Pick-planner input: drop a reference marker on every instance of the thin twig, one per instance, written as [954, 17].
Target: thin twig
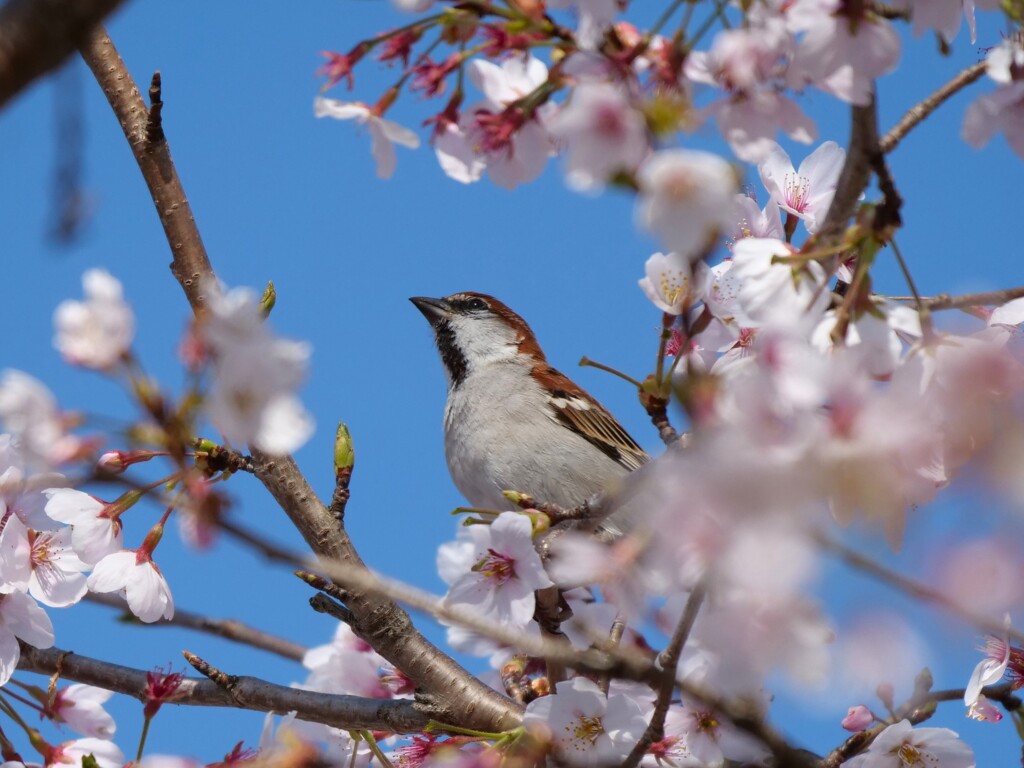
[346, 712]
[668, 660]
[915, 589]
[229, 629]
[944, 301]
[917, 113]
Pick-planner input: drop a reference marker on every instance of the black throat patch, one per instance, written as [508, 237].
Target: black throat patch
[452, 357]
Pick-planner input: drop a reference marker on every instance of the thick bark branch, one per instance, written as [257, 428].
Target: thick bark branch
[458, 696]
[36, 36]
[347, 712]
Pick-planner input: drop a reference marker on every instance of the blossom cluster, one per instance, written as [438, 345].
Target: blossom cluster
[627, 92]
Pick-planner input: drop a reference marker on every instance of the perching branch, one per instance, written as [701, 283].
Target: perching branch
[347, 712]
[460, 696]
[230, 629]
[917, 113]
[945, 301]
[37, 36]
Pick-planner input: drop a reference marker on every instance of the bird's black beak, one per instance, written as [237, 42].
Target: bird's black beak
[434, 310]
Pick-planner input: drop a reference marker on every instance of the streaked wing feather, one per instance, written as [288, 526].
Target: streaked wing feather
[602, 430]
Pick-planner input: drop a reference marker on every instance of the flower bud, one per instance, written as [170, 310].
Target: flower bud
[857, 719]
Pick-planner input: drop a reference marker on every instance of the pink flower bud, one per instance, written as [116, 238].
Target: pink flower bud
[885, 692]
[857, 719]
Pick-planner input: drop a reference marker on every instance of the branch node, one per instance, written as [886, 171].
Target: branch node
[154, 121]
[222, 679]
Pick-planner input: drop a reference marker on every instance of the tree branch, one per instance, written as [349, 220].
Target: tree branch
[346, 712]
[917, 113]
[230, 629]
[36, 36]
[190, 265]
[855, 174]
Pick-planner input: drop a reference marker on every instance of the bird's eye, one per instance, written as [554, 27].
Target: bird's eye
[476, 304]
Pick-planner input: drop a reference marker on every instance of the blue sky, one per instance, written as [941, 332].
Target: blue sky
[279, 195]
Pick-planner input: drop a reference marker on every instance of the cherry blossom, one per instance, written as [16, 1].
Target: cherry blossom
[80, 707]
[773, 292]
[902, 745]
[875, 333]
[20, 618]
[709, 738]
[494, 135]
[22, 491]
[98, 332]
[1000, 658]
[134, 574]
[687, 198]
[757, 222]
[384, 134]
[255, 375]
[587, 727]
[671, 283]
[41, 563]
[504, 571]
[95, 531]
[604, 134]
[806, 193]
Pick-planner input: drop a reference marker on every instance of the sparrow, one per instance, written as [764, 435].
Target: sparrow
[512, 421]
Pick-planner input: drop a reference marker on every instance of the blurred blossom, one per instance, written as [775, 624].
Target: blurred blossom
[102, 753]
[880, 647]
[944, 16]
[98, 332]
[841, 54]
[876, 331]
[687, 199]
[252, 399]
[346, 665]
[1003, 110]
[594, 17]
[29, 413]
[986, 574]
[603, 132]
